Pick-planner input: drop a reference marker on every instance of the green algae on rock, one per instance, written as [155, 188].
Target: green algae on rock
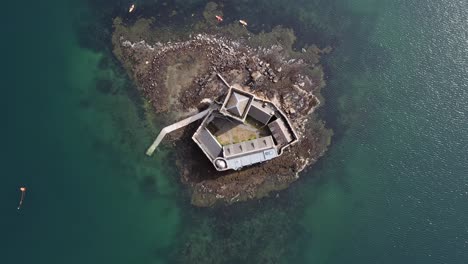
[176, 70]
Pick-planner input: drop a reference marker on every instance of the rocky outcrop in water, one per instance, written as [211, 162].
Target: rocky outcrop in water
[175, 71]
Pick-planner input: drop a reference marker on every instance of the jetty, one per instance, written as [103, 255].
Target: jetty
[176, 126]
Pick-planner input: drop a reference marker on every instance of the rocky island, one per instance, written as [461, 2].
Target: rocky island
[182, 71]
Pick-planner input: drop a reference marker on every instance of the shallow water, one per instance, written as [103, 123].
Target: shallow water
[393, 187]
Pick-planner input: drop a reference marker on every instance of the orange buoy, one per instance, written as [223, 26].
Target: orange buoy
[23, 191]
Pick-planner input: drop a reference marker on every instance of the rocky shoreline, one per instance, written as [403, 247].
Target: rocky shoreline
[177, 76]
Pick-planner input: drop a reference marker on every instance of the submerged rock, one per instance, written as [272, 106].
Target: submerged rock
[177, 74]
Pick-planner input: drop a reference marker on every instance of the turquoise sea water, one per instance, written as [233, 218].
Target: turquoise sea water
[393, 188]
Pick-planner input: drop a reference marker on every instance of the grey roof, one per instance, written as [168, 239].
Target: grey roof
[257, 157]
[247, 147]
[237, 104]
[208, 143]
[261, 113]
[280, 132]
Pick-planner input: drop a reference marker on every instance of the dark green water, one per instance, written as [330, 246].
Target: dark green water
[393, 188]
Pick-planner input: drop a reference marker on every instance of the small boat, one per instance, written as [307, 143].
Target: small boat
[219, 18]
[132, 7]
[243, 22]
